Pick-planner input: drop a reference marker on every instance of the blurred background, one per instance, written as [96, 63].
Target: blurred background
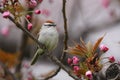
[89, 19]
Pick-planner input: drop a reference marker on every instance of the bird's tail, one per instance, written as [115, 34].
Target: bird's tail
[36, 56]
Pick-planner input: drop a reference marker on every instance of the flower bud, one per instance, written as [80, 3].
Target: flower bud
[37, 11]
[6, 14]
[26, 65]
[51, 1]
[32, 3]
[75, 60]
[111, 59]
[45, 12]
[105, 3]
[28, 17]
[29, 27]
[76, 68]
[104, 48]
[40, 1]
[88, 74]
[69, 61]
[5, 31]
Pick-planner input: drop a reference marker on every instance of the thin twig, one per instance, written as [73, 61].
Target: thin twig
[53, 58]
[65, 29]
[22, 47]
[53, 74]
[65, 40]
[24, 30]
[24, 41]
[59, 63]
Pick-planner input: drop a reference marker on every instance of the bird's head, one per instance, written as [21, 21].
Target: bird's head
[48, 24]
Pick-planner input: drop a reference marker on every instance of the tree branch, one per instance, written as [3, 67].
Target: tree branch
[23, 46]
[53, 58]
[24, 30]
[65, 29]
[65, 39]
[54, 74]
[59, 63]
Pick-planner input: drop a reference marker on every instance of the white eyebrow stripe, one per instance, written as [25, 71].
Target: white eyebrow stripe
[47, 23]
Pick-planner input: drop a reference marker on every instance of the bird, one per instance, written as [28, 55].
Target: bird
[48, 36]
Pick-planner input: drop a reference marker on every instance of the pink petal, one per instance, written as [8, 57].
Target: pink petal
[111, 59]
[5, 31]
[29, 27]
[75, 60]
[105, 3]
[104, 48]
[6, 14]
[46, 12]
[37, 11]
[89, 74]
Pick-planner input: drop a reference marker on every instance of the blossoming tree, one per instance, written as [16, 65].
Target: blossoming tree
[86, 60]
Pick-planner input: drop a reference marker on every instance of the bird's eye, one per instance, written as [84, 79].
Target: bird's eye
[49, 25]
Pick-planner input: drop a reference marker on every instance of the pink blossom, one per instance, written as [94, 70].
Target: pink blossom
[111, 59]
[51, 1]
[69, 60]
[76, 68]
[29, 78]
[75, 60]
[104, 48]
[88, 74]
[105, 3]
[45, 12]
[5, 31]
[30, 73]
[37, 11]
[28, 17]
[40, 1]
[26, 65]
[32, 3]
[29, 27]
[6, 14]
[4, 1]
